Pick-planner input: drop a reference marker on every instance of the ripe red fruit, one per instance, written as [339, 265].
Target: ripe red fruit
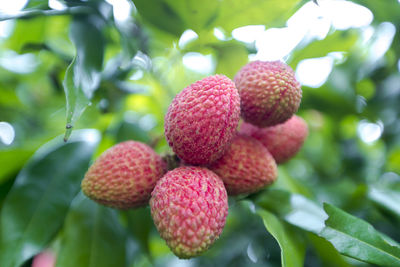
[246, 167]
[124, 175]
[202, 119]
[269, 92]
[189, 206]
[283, 141]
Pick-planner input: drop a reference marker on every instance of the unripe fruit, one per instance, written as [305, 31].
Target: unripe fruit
[189, 206]
[269, 92]
[283, 141]
[202, 119]
[124, 175]
[246, 167]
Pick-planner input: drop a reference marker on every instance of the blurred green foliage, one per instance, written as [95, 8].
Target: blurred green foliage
[80, 67]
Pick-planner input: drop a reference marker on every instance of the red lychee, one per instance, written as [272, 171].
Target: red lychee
[246, 167]
[269, 92]
[189, 206]
[283, 141]
[124, 175]
[202, 119]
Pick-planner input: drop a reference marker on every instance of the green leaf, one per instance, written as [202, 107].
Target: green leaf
[11, 161]
[291, 243]
[238, 13]
[326, 251]
[92, 237]
[356, 238]
[351, 236]
[196, 15]
[294, 208]
[287, 182]
[337, 41]
[140, 224]
[386, 198]
[83, 75]
[27, 31]
[131, 131]
[161, 15]
[38, 202]
[231, 57]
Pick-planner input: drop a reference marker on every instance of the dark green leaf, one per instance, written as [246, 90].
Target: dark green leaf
[140, 224]
[356, 238]
[35, 208]
[83, 75]
[92, 237]
[290, 241]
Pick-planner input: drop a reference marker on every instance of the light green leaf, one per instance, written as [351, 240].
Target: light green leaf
[83, 75]
[358, 239]
[161, 15]
[38, 202]
[329, 256]
[294, 208]
[27, 31]
[231, 57]
[337, 41]
[238, 13]
[386, 198]
[196, 15]
[291, 243]
[92, 237]
[12, 160]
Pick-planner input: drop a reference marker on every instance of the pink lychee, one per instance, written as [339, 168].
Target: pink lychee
[246, 167]
[269, 92]
[283, 141]
[124, 175]
[189, 206]
[46, 258]
[202, 119]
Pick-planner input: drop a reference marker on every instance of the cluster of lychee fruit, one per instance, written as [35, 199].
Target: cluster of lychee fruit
[217, 158]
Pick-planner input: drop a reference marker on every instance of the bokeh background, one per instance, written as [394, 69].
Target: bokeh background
[112, 68]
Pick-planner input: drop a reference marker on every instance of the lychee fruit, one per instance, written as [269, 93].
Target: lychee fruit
[189, 206]
[246, 167]
[269, 92]
[283, 141]
[202, 119]
[124, 175]
[46, 258]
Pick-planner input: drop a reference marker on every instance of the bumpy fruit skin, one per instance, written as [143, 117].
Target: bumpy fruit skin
[269, 92]
[246, 167]
[124, 176]
[189, 206]
[283, 141]
[202, 119]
